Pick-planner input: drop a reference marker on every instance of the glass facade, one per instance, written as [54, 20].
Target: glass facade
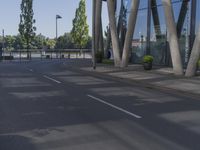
[159, 44]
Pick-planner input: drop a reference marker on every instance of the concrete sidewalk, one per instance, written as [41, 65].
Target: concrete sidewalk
[158, 76]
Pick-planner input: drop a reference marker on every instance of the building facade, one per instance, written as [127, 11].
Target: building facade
[164, 28]
[158, 32]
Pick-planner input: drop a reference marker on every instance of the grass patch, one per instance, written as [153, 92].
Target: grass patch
[108, 61]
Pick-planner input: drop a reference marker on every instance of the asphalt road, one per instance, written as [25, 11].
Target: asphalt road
[53, 105]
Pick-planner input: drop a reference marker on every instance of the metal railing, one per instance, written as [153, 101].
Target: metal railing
[47, 54]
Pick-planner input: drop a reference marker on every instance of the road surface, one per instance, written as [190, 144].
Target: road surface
[53, 105]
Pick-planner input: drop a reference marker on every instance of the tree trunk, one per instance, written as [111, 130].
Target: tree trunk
[192, 65]
[173, 39]
[129, 33]
[113, 30]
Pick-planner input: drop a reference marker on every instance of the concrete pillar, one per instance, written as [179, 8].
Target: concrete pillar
[98, 23]
[173, 39]
[113, 30]
[195, 55]
[192, 23]
[182, 16]
[156, 20]
[130, 31]
[148, 46]
[101, 40]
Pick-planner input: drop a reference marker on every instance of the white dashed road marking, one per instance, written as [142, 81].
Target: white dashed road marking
[115, 107]
[52, 79]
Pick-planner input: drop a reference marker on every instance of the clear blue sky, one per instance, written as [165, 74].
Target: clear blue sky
[46, 10]
[44, 13]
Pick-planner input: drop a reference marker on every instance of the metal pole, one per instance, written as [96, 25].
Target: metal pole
[56, 28]
[93, 35]
[148, 52]
[3, 44]
[57, 17]
[192, 24]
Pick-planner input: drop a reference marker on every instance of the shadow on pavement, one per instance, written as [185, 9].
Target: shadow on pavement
[14, 142]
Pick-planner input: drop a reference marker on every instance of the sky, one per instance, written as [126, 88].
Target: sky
[46, 10]
[44, 13]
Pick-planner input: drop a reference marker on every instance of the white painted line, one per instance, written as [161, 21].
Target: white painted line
[116, 107]
[51, 79]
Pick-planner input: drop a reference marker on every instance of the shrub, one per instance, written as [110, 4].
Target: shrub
[198, 63]
[148, 59]
[108, 61]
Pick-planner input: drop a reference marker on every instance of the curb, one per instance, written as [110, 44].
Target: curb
[146, 85]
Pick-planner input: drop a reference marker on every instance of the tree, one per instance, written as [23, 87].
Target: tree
[26, 28]
[38, 41]
[19, 43]
[65, 42]
[50, 43]
[9, 42]
[80, 30]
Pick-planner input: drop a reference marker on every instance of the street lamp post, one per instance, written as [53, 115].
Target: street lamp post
[57, 17]
[2, 46]
[93, 35]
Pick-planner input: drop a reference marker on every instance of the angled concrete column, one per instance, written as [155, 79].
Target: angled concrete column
[173, 39]
[182, 16]
[130, 31]
[192, 65]
[101, 42]
[120, 19]
[98, 23]
[192, 23]
[113, 30]
[148, 42]
[156, 20]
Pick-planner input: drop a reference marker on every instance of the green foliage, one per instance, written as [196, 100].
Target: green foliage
[65, 42]
[108, 61]
[80, 30]
[50, 43]
[16, 42]
[148, 59]
[9, 42]
[38, 41]
[26, 28]
[198, 63]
